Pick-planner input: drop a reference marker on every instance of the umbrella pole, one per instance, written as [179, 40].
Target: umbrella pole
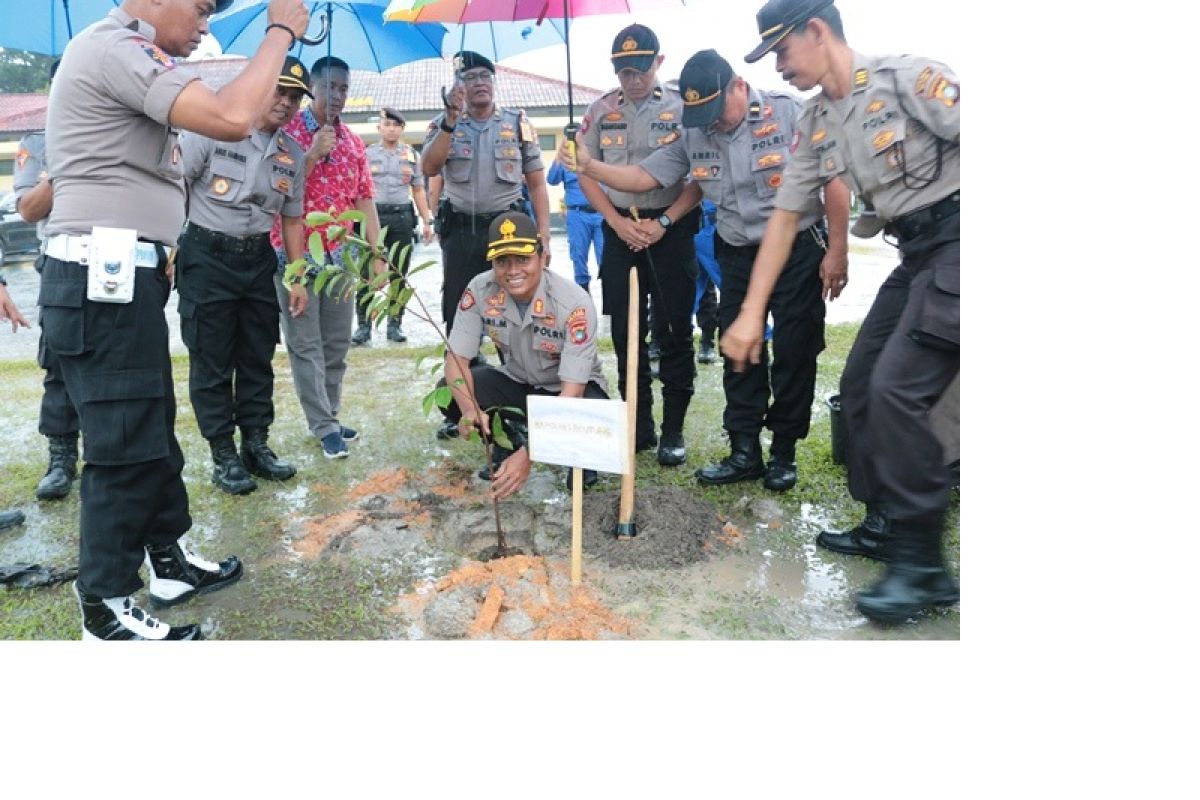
[567, 39]
[67, 14]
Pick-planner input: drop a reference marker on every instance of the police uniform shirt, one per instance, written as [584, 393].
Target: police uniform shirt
[113, 94]
[884, 136]
[395, 172]
[237, 188]
[740, 171]
[30, 169]
[488, 160]
[619, 132]
[555, 342]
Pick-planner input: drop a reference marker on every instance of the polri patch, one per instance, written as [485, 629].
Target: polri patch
[22, 157]
[577, 325]
[220, 186]
[156, 53]
[467, 302]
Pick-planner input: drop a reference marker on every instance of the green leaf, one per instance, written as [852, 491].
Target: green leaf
[334, 232]
[294, 272]
[427, 402]
[322, 279]
[443, 396]
[316, 219]
[425, 265]
[498, 432]
[351, 215]
[316, 249]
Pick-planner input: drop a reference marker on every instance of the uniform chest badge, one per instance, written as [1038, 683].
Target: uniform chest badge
[947, 92]
[495, 312]
[577, 326]
[496, 299]
[220, 186]
[508, 135]
[506, 126]
[615, 116]
[768, 112]
[923, 81]
[508, 167]
[549, 320]
[700, 172]
[539, 306]
[876, 105]
[830, 164]
[527, 132]
[819, 136]
[883, 139]
[22, 157]
[770, 160]
[283, 185]
[510, 152]
[284, 158]
[670, 137]
[775, 181]
[467, 302]
[667, 116]
[861, 78]
[766, 130]
[375, 168]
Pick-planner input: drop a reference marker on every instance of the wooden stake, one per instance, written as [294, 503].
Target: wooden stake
[625, 517]
[576, 526]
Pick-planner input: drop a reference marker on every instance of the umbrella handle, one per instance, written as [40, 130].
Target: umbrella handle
[320, 37]
[570, 131]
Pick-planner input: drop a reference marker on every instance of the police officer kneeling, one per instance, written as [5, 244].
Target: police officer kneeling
[544, 326]
[226, 280]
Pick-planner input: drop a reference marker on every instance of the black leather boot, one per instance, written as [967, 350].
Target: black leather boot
[394, 332]
[744, 463]
[118, 619]
[781, 466]
[177, 575]
[916, 577]
[708, 351]
[229, 474]
[671, 449]
[362, 334]
[64, 453]
[869, 539]
[259, 459]
[11, 519]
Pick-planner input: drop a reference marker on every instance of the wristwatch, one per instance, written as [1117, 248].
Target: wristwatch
[665, 221]
[445, 128]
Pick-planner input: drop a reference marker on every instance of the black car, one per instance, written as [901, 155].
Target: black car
[16, 235]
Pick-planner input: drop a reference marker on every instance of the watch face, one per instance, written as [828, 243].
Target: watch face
[665, 221]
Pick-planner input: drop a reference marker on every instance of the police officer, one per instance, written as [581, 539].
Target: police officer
[111, 135]
[229, 316]
[734, 146]
[625, 127]
[484, 152]
[396, 171]
[584, 223]
[57, 420]
[544, 326]
[890, 126]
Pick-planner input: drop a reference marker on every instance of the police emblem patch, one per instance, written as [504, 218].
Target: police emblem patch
[22, 157]
[691, 95]
[629, 44]
[947, 92]
[467, 302]
[615, 116]
[775, 180]
[577, 325]
[220, 186]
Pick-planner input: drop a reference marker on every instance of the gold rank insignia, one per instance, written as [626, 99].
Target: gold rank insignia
[220, 186]
[510, 152]
[766, 130]
[691, 95]
[770, 160]
[629, 44]
[775, 180]
[861, 78]
[819, 136]
[667, 116]
[830, 164]
[297, 70]
[883, 139]
[876, 105]
[923, 81]
[497, 299]
[606, 141]
[539, 306]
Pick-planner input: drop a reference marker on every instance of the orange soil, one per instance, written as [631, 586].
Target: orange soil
[385, 482]
[319, 533]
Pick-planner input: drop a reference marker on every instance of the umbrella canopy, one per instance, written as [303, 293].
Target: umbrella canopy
[45, 26]
[500, 40]
[357, 34]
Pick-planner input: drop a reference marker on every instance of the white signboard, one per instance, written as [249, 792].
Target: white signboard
[575, 432]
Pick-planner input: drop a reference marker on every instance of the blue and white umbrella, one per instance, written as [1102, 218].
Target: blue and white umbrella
[45, 26]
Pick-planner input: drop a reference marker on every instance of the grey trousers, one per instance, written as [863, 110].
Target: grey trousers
[317, 343]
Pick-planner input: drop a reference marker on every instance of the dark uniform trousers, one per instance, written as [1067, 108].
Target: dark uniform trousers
[905, 356]
[229, 320]
[798, 314]
[495, 389]
[116, 365]
[464, 255]
[400, 222]
[675, 262]
[58, 416]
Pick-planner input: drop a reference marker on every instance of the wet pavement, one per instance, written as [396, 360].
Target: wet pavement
[870, 262]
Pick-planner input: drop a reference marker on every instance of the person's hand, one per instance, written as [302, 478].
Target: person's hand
[632, 233]
[297, 299]
[742, 341]
[323, 142]
[426, 233]
[511, 476]
[577, 163]
[476, 420]
[8, 310]
[835, 272]
[545, 237]
[653, 231]
[292, 13]
[456, 101]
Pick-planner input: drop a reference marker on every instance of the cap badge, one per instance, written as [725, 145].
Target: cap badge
[297, 70]
[629, 44]
[508, 229]
[691, 95]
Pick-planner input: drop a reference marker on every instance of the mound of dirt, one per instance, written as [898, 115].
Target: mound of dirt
[519, 597]
[673, 528]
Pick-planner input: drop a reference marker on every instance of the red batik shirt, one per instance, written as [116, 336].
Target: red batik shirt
[337, 181]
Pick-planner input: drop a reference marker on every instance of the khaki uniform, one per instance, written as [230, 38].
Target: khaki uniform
[395, 172]
[620, 132]
[553, 343]
[30, 169]
[740, 172]
[895, 140]
[116, 162]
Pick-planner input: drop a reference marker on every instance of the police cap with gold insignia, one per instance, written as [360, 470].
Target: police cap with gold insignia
[294, 75]
[703, 82]
[464, 60]
[634, 47]
[515, 233]
[390, 113]
[778, 18]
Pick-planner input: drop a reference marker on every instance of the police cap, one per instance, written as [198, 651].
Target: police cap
[469, 59]
[512, 232]
[222, 5]
[390, 113]
[294, 75]
[778, 18]
[634, 47]
[703, 82]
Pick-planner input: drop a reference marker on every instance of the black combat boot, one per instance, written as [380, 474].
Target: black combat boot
[916, 577]
[11, 519]
[744, 463]
[869, 539]
[362, 333]
[708, 350]
[64, 452]
[228, 471]
[118, 619]
[781, 466]
[176, 574]
[394, 332]
[671, 449]
[260, 459]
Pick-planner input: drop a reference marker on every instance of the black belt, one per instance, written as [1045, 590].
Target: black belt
[485, 219]
[223, 241]
[588, 209]
[925, 219]
[644, 213]
[392, 208]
